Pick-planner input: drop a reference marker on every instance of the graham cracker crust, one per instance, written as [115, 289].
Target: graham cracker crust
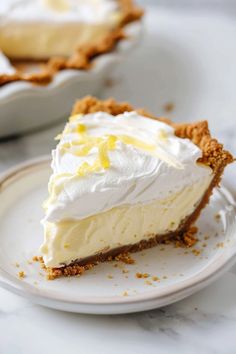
[213, 155]
[181, 238]
[82, 58]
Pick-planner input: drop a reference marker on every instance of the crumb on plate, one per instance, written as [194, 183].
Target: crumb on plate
[142, 275]
[168, 107]
[21, 274]
[125, 258]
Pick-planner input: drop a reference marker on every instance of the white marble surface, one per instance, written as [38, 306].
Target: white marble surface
[179, 61]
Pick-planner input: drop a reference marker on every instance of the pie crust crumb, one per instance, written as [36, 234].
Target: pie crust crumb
[21, 274]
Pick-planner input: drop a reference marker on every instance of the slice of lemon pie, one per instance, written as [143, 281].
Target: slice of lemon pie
[123, 181]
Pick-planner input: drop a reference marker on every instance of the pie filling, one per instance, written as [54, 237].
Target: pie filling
[40, 42]
[118, 181]
[41, 29]
[71, 240]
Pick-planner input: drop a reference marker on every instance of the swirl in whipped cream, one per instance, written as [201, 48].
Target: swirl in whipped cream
[151, 165]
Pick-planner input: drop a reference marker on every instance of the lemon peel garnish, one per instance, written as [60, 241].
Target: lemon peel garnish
[126, 139]
[85, 168]
[81, 128]
[103, 155]
[111, 142]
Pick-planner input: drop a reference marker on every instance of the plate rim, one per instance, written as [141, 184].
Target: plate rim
[215, 269]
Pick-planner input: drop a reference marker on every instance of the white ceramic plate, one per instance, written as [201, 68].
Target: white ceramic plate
[102, 289]
[24, 106]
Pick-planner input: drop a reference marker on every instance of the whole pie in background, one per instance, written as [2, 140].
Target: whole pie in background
[40, 37]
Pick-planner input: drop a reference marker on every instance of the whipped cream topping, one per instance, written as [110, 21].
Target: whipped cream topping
[145, 162]
[5, 65]
[89, 11]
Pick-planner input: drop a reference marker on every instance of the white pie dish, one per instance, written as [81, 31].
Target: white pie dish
[22, 190]
[24, 106]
